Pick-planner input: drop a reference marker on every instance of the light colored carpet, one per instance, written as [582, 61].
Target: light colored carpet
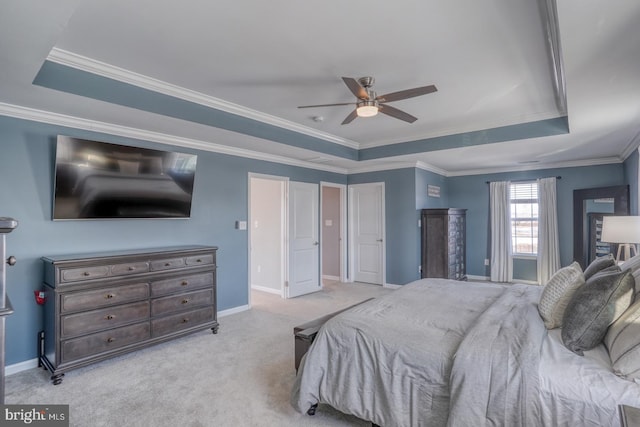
[240, 377]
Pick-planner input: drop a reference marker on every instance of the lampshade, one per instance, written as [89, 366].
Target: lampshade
[621, 229]
[367, 108]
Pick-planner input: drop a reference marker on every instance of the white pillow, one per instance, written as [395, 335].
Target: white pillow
[557, 293]
[623, 342]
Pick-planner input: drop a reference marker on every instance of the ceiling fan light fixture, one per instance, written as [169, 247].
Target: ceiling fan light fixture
[367, 108]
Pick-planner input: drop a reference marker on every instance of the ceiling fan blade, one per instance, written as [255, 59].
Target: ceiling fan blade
[355, 88]
[395, 113]
[408, 93]
[351, 117]
[326, 105]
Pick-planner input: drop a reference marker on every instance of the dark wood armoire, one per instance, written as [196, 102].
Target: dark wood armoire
[444, 243]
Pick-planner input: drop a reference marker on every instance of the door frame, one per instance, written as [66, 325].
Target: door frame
[284, 221]
[343, 227]
[351, 222]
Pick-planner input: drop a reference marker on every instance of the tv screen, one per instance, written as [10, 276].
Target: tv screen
[98, 180]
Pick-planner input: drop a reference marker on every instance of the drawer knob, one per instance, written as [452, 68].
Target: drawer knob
[184, 283]
[131, 268]
[110, 339]
[109, 296]
[110, 317]
[185, 320]
[86, 273]
[198, 260]
[184, 301]
[167, 264]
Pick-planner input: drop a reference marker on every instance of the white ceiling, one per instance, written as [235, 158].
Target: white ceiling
[489, 59]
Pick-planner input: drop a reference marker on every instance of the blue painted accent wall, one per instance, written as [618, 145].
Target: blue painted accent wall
[425, 178]
[472, 193]
[27, 171]
[631, 177]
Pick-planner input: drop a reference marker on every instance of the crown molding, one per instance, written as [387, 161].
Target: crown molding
[58, 119]
[568, 164]
[83, 63]
[48, 117]
[631, 146]
[381, 167]
[428, 167]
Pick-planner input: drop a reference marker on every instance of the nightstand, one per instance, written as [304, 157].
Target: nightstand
[629, 416]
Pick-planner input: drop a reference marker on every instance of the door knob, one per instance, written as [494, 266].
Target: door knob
[379, 240]
[12, 260]
[315, 243]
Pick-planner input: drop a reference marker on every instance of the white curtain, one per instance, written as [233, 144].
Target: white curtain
[501, 259]
[548, 245]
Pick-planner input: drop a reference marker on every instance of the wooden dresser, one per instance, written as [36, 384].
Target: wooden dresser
[443, 243]
[102, 305]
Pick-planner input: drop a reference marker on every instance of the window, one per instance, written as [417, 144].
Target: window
[524, 218]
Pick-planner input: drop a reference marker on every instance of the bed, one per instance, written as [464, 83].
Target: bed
[439, 352]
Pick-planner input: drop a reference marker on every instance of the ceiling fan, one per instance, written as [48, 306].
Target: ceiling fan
[369, 104]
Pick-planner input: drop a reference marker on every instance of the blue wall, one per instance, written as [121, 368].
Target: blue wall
[220, 198]
[472, 192]
[27, 169]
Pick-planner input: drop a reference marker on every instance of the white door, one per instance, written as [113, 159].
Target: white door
[304, 266]
[367, 235]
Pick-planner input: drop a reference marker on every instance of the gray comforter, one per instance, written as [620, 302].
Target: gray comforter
[433, 353]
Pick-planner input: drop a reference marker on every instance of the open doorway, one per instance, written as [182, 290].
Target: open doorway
[267, 231]
[333, 201]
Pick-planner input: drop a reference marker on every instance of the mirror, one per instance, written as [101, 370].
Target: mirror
[590, 205]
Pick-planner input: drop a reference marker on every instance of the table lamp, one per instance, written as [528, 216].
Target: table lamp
[623, 230]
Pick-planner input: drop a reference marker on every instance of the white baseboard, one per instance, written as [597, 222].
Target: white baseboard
[21, 366]
[233, 310]
[478, 278]
[391, 286]
[266, 289]
[327, 277]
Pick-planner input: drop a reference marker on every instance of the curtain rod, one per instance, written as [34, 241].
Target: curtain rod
[523, 180]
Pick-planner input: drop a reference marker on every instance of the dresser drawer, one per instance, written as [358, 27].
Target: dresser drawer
[86, 273]
[104, 341]
[167, 264]
[181, 284]
[88, 300]
[129, 268]
[179, 302]
[200, 260]
[178, 322]
[97, 320]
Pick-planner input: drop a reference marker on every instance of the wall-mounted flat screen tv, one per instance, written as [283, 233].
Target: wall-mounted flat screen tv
[98, 180]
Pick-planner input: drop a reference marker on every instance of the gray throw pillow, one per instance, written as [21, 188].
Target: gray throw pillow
[623, 342]
[557, 293]
[595, 306]
[598, 264]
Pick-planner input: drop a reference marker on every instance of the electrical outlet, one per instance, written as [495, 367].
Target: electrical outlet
[486, 261]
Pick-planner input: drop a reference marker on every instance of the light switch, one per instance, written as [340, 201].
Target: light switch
[328, 222]
[241, 225]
